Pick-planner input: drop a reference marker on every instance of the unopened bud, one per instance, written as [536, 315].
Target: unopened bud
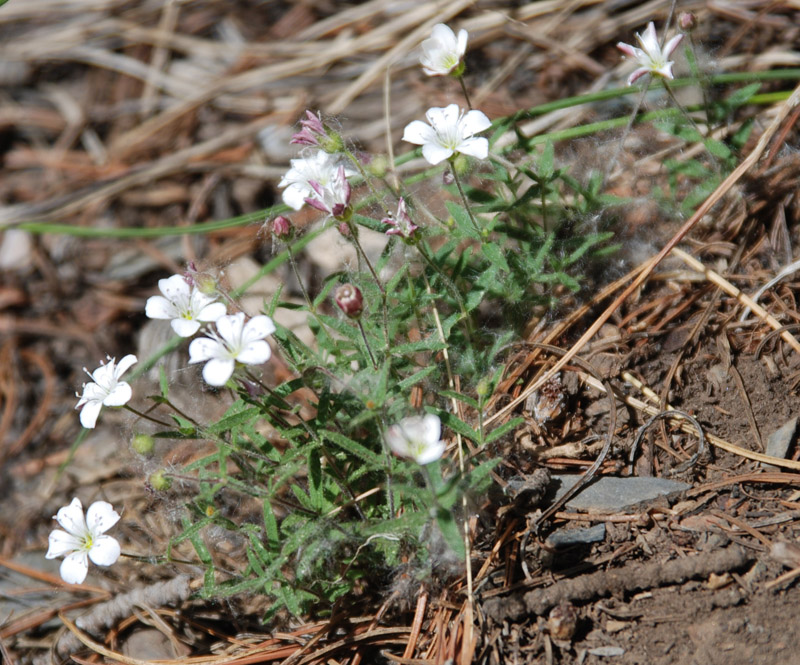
[448, 178]
[282, 228]
[344, 229]
[143, 444]
[483, 388]
[378, 166]
[687, 21]
[206, 284]
[350, 300]
[160, 481]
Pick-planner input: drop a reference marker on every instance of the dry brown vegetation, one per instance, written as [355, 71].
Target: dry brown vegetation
[122, 115]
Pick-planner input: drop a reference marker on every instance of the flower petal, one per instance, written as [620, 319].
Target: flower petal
[202, 349]
[430, 453]
[255, 353]
[461, 45]
[217, 371]
[92, 393]
[61, 543]
[419, 133]
[100, 517]
[435, 153]
[175, 288]
[258, 327]
[444, 35]
[89, 412]
[230, 327]
[121, 394]
[476, 147]
[105, 551]
[71, 518]
[74, 568]
[294, 195]
[185, 327]
[158, 307]
[475, 121]
[430, 427]
[672, 44]
[211, 312]
[125, 364]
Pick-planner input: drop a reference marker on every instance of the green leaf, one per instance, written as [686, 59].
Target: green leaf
[458, 425]
[743, 95]
[415, 378]
[462, 219]
[239, 413]
[497, 432]
[495, 255]
[546, 161]
[163, 381]
[460, 397]
[354, 448]
[451, 532]
[430, 344]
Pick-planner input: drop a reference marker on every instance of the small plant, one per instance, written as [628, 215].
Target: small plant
[358, 461]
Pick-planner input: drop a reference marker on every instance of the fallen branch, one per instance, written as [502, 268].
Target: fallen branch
[633, 577]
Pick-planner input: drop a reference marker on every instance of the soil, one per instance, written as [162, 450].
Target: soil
[87, 141]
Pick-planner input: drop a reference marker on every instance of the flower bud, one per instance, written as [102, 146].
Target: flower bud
[344, 229]
[206, 284]
[378, 166]
[687, 21]
[143, 444]
[349, 299]
[484, 387]
[447, 177]
[160, 481]
[282, 228]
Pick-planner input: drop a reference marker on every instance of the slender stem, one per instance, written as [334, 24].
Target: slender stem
[681, 107]
[450, 285]
[147, 417]
[181, 413]
[613, 163]
[691, 57]
[464, 196]
[464, 89]
[366, 343]
[367, 179]
[363, 254]
[296, 272]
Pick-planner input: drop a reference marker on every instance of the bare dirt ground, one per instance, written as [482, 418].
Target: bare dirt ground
[146, 115]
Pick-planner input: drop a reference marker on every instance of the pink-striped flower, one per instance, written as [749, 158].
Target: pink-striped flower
[651, 57]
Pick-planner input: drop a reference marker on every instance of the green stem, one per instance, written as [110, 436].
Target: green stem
[147, 417]
[366, 343]
[464, 89]
[464, 196]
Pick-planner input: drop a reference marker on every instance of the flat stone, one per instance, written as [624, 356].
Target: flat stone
[779, 441]
[581, 536]
[609, 494]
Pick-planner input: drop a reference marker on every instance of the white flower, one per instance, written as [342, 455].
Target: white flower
[105, 389]
[417, 437]
[83, 539]
[234, 341]
[443, 52]
[449, 131]
[185, 305]
[651, 57]
[321, 168]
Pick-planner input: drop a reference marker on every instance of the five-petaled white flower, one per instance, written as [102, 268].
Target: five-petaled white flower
[450, 131]
[105, 389]
[443, 51]
[651, 57]
[185, 305]
[417, 437]
[232, 342]
[83, 539]
[320, 168]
